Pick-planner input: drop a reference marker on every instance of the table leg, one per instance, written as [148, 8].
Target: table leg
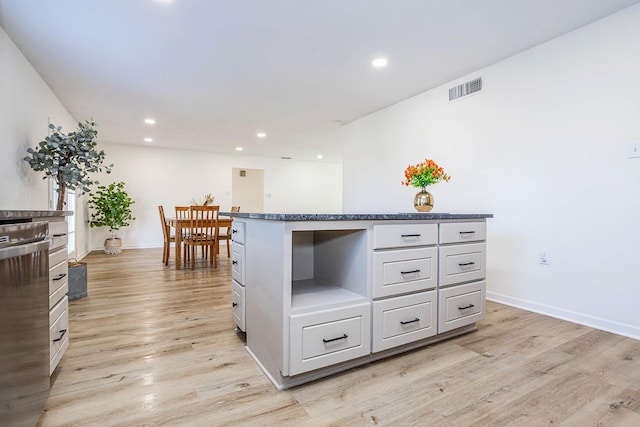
[178, 244]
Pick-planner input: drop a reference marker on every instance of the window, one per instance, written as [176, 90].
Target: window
[71, 219]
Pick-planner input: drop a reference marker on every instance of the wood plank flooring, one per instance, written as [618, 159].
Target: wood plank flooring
[152, 346]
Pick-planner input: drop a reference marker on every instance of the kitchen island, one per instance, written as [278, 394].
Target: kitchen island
[317, 294]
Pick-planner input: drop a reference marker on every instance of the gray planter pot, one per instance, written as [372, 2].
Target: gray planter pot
[77, 280]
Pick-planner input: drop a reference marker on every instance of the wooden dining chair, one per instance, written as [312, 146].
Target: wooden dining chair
[168, 237]
[226, 235]
[203, 232]
[182, 213]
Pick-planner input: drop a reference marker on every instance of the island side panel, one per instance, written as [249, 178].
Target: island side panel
[268, 289]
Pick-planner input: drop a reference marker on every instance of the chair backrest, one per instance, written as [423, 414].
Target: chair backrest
[182, 212]
[204, 223]
[163, 222]
[235, 208]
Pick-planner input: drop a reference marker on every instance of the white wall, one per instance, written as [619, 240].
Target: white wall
[169, 177]
[26, 104]
[544, 148]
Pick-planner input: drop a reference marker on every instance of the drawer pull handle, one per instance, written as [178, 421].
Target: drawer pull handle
[467, 232]
[466, 307]
[234, 262]
[344, 336]
[62, 332]
[410, 235]
[409, 321]
[464, 264]
[234, 304]
[60, 235]
[59, 276]
[234, 231]
[417, 270]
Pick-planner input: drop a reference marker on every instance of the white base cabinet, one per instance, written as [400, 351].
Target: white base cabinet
[319, 296]
[401, 320]
[324, 338]
[58, 289]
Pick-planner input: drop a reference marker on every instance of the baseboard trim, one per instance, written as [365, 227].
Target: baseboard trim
[618, 328]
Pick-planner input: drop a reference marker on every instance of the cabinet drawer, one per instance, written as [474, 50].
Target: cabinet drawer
[402, 271]
[404, 235]
[460, 232]
[58, 279]
[57, 257]
[328, 337]
[58, 332]
[58, 232]
[237, 263]
[404, 319]
[237, 304]
[237, 231]
[461, 263]
[460, 305]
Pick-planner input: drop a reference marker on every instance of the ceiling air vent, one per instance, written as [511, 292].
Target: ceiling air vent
[465, 89]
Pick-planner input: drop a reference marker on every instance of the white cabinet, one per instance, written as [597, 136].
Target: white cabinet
[58, 332]
[461, 305]
[58, 288]
[404, 319]
[462, 263]
[462, 270]
[320, 296]
[237, 263]
[404, 235]
[462, 232]
[403, 271]
[405, 261]
[238, 275]
[326, 337]
[238, 304]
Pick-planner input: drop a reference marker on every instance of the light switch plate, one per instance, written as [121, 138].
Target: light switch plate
[634, 150]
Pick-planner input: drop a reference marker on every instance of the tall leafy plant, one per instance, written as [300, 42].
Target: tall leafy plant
[111, 207]
[69, 158]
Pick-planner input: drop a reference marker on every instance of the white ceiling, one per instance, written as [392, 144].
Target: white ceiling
[215, 72]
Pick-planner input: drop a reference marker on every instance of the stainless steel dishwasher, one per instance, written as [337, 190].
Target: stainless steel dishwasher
[24, 322]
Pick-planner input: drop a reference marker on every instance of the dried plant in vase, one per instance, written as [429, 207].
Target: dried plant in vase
[208, 199]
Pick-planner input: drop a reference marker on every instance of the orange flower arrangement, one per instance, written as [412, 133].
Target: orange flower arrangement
[424, 174]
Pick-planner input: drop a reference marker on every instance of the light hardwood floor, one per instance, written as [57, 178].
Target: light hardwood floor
[154, 346]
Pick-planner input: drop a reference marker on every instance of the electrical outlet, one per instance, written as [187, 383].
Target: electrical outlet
[634, 150]
[544, 257]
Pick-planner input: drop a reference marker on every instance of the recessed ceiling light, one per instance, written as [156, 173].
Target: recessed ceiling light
[261, 134]
[148, 140]
[238, 148]
[150, 121]
[379, 62]
[319, 156]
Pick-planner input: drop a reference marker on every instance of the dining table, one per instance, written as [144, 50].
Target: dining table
[179, 223]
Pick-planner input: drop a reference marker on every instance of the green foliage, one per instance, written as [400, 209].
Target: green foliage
[69, 158]
[111, 207]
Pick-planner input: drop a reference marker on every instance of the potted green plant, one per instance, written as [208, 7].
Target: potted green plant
[69, 159]
[111, 207]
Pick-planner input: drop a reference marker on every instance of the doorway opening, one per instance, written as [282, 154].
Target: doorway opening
[247, 189]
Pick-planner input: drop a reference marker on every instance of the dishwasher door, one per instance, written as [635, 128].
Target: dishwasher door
[24, 320]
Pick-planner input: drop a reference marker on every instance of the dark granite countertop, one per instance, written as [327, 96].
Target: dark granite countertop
[354, 217]
[5, 215]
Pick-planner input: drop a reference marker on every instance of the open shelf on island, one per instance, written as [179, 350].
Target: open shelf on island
[328, 268]
[313, 294]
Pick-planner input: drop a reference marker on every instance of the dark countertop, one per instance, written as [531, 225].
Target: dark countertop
[20, 215]
[354, 217]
